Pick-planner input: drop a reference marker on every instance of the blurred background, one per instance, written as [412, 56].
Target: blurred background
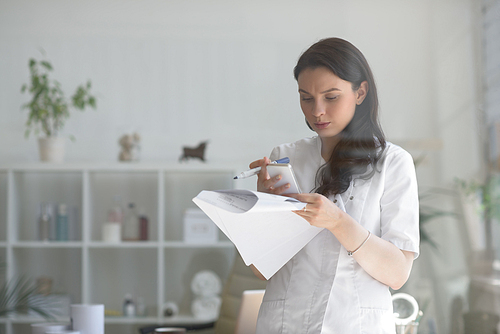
[182, 72]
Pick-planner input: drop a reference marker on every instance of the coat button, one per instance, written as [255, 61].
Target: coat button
[351, 198]
[334, 201]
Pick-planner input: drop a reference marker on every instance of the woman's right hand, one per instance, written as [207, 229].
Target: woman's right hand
[264, 182]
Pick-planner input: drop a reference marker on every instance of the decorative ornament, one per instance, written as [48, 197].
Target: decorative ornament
[194, 152]
[130, 147]
[206, 286]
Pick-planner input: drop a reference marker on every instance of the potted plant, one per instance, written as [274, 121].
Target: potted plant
[49, 109]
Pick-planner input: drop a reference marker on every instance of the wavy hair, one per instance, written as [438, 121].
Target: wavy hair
[362, 142]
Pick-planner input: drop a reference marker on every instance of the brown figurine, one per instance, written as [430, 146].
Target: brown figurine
[194, 152]
[130, 148]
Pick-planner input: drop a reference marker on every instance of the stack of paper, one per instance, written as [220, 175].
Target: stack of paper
[262, 226]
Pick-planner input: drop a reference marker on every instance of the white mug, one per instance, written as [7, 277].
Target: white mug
[87, 318]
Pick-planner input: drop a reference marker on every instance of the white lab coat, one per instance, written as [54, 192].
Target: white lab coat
[322, 289]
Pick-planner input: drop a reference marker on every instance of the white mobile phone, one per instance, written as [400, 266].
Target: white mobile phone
[287, 176]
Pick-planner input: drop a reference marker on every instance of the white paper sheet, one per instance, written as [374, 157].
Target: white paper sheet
[262, 226]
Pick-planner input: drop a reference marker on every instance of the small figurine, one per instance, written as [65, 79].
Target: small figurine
[194, 152]
[130, 148]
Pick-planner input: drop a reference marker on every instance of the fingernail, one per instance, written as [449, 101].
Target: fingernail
[278, 177]
[287, 186]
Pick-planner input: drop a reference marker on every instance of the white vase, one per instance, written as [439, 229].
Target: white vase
[51, 149]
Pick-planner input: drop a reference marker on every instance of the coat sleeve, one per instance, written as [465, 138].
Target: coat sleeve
[399, 207]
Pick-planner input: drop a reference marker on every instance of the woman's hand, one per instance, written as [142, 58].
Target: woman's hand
[319, 211]
[264, 182]
[381, 259]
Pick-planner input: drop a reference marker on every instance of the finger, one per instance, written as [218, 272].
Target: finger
[269, 184]
[263, 174]
[304, 214]
[281, 189]
[257, 163]
[304, 198]
[264, 182]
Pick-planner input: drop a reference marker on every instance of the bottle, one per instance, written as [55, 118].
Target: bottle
[44, 222]
[143, 225]
[62, 223]
[131, 225]
[112, 227]
[115, 214]
[128, 306]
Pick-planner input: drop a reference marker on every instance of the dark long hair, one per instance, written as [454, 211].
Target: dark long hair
[362, 142]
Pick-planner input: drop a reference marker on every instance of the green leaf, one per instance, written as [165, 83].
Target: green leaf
[92, 102]
[46, 64]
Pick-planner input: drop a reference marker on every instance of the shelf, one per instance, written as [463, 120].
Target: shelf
[92, 271]
[180, 319]
[115, 272]
[47, 244]
[140, 188]
[123, 244]
[117, 166]
[181, 244]
[182, 264]
[26, 319]
[62, 265]
[131, 320]
[152, 244]
[32, 188]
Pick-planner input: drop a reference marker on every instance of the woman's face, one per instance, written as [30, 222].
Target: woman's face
[327, 101]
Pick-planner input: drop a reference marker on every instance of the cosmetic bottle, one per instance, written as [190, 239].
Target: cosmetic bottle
[62, 223]
[44, 222]
[128, 306]
[112, 228]
[143, 225]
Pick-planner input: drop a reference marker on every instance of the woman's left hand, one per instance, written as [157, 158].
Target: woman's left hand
[319, 211]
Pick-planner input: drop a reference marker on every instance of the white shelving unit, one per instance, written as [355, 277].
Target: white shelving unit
[92, 271]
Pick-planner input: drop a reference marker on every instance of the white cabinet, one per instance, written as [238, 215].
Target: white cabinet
[92, 271]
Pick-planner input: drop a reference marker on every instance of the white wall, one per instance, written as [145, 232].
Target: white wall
[180, 72]
[184, 71]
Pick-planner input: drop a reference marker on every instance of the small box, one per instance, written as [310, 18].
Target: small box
[198, 228]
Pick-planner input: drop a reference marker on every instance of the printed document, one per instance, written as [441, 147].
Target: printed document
[262, 226]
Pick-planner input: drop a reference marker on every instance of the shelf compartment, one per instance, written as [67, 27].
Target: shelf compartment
[63, 266]
[3, 205]
[116, 272]
[181, 188]
[182, 264]
[31, 188]
[140, 188]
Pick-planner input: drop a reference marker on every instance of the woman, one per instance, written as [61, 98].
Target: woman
[363, 192]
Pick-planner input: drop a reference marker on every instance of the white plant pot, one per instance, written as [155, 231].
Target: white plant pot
[51, 149]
